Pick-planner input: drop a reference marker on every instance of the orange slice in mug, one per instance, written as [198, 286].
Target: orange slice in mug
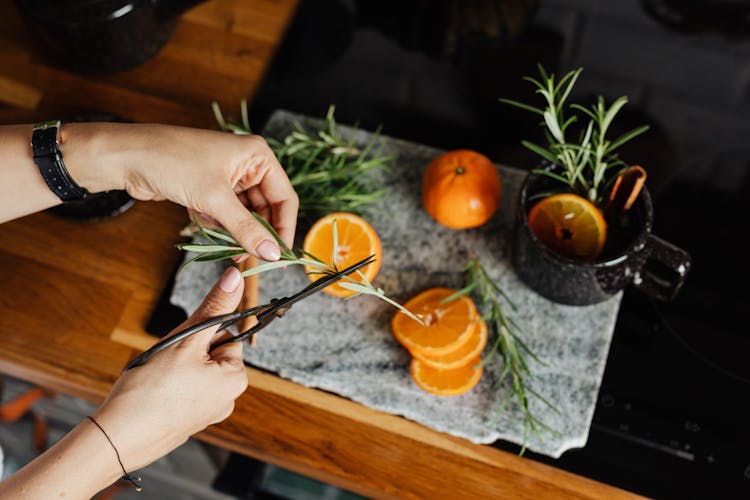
[570, 225]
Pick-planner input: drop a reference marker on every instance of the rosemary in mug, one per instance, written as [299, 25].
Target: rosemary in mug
[589, 163]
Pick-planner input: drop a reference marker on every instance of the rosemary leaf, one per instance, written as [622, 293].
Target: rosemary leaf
[368, 290]
[245, 119]
[329, 173]
[211, 256]
[267, 266]
[219, 235]
[628, 136]
[206, 248]
[550, 174]
[273, 232]
[202, 231]
[522, 106]
[547, 155]
[314, 262]
[464, 291]
[311, 256]
[507, 343]
[218, 115]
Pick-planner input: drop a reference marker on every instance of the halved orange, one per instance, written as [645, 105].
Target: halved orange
[446, 326]
[357, 240]
[463, 356]
[570, 225]
[446, 382]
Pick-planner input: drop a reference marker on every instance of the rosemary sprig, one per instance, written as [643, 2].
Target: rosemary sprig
[586, 164]
[507, 343]
[329, 172]
[218, 251]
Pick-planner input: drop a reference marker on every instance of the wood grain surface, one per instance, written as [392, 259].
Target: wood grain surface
[76, 296]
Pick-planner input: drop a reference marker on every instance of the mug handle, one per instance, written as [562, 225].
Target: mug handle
[673, 258]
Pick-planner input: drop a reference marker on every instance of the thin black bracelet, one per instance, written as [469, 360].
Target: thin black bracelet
[126, 476]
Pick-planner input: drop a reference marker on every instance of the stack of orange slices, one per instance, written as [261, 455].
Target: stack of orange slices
[446, 349]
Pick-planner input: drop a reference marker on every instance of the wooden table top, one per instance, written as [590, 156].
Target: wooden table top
[72, 291]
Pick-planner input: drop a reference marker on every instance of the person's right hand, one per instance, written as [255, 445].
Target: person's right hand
[157, 406]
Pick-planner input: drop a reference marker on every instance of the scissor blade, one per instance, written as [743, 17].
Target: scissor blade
[278, 307]
[322, 283]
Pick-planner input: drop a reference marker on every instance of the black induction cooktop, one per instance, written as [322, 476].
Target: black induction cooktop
[673, 414]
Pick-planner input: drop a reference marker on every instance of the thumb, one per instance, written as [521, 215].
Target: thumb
[223, 298]
[248, 232]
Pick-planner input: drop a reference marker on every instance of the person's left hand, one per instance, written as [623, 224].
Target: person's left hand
[157, 406]
[216, 174]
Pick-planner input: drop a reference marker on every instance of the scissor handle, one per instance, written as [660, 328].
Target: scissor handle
[265, 314]
[224, 321]
[239, 338]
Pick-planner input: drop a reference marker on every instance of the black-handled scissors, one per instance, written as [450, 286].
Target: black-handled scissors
[264, 314]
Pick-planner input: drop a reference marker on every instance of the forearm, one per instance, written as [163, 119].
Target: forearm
[212, 173]
[78, 466]
[91, 157]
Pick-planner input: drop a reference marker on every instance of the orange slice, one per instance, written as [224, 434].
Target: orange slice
[570, 225]
[446, 382]
[446, 326]
[356, 240]
[463, 356]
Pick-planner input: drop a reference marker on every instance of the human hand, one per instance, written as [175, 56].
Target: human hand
[157, 406]
[212, 173]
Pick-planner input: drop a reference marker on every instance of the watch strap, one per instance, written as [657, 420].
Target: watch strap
[49, 160]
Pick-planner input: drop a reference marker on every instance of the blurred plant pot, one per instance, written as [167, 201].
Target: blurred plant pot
[632, 255]
[102, 36]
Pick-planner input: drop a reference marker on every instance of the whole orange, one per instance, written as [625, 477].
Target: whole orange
[461, 189]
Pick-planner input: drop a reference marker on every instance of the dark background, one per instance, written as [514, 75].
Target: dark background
[672, 416]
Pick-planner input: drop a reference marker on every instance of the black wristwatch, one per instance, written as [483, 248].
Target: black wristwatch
[49, 159]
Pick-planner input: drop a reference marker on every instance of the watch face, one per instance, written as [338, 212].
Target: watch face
[47, 124]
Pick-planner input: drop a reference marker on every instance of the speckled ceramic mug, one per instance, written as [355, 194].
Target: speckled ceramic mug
[651, 264]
